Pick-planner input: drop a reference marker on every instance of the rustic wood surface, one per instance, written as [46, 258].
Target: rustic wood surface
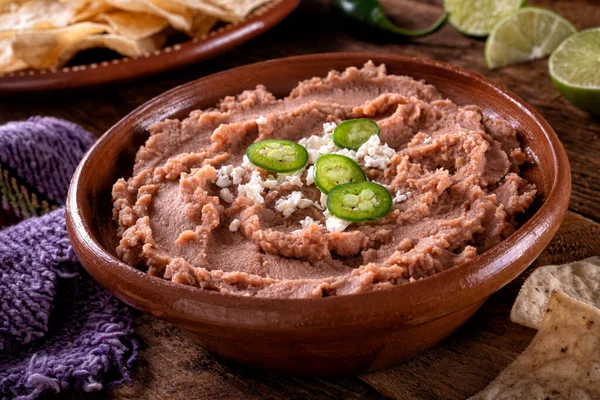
[172, 367]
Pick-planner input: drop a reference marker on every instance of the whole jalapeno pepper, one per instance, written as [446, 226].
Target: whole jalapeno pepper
[371, 14]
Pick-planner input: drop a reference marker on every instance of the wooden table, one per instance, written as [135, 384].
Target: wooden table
[172, 367]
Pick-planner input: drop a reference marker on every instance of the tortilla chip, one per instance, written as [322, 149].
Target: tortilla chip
[201, 24]
[562, 361]
[207, 8]
[6, 34]
[121, 44]
[90, 9]
[133, 25]
[39, 14]
[41, 49]
[241, 8]
[43, 34]
[9, 62]
[226, 10]
[580, 279]
[180, 17]
[10, 5]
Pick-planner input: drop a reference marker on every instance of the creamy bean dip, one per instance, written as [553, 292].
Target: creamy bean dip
[196, 211]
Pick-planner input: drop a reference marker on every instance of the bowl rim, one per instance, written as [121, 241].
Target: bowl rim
[447, 285]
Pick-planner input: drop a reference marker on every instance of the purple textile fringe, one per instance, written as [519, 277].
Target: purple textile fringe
[59, 330]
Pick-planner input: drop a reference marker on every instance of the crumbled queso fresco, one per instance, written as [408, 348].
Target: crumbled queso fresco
[372, 153]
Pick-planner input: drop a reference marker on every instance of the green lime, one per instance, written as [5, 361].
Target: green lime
[529, 34]
[478, 17]
[575, 69]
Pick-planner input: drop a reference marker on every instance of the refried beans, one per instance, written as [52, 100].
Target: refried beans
[197, 212]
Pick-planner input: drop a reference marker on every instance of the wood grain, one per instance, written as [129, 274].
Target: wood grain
[172, 367]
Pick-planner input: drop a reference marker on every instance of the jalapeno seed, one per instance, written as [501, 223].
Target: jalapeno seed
[359, 201]
[351, 134]
[277, 155]
[334, 169]
[350, 200]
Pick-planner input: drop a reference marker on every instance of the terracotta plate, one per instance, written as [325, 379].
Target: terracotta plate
[178, 55]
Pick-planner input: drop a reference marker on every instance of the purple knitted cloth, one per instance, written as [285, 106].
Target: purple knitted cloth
[59, 330]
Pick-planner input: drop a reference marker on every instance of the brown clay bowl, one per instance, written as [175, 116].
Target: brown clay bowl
[325, 336]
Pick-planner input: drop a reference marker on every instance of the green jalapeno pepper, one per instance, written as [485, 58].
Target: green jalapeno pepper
[277, 155]
[352, 133]
[332, 170]
[359, 202]
[371, 14]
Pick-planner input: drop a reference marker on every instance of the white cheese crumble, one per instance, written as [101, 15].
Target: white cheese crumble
[428, 140]
[319, 144]
[400, 197]
[305, 223]
[253, 190]
[375, 153]
[287, 205]
[237, 174]
[261, 120]
[379, 163]
[223, 174]
[329, 127]
[246, 163]
[348, 153]
[334, 224]
[310, 175]
[308, 221]
[315, 146]
[226, 195]
[235, 225]
[270, 183]
[323, 200]
[293, 178]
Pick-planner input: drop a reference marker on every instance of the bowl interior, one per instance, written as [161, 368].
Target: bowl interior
[89, 209]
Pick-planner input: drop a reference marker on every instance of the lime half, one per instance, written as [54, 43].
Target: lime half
[478, 17]
[575, 69]
[527, 35]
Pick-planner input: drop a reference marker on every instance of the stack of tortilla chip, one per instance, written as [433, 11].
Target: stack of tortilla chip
[40, 34]
[563, 360]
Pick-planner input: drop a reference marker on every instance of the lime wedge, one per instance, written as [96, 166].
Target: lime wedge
[575, 69]
[478, 17]
[529, 34]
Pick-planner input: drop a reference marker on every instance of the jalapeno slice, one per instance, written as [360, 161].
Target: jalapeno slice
[359, 202]
[351, 134]
[332, 170]
[277, 155]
